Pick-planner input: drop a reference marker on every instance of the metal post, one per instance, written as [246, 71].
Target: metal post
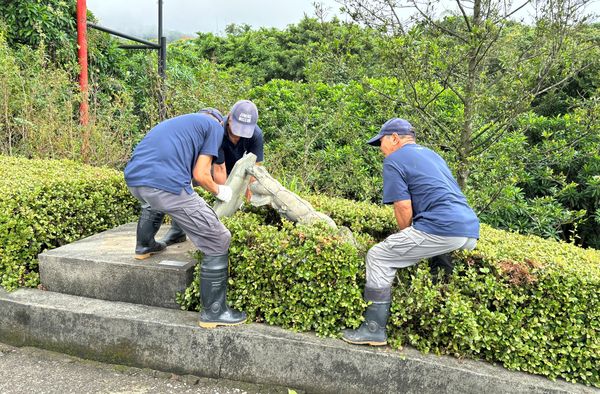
[83, 60]
[162, 64]
[162, 71]
[161, 46]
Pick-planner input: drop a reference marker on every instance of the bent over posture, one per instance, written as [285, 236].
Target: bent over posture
[432, 213]
[159, 175]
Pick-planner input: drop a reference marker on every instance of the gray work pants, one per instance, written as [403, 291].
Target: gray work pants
[195, 217]
[406, 248]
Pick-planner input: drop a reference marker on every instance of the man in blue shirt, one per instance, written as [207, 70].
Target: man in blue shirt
[159, 175]
[241, 135]
[432, 213]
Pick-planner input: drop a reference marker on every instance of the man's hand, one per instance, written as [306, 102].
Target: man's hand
[403, 212]
[225, 193]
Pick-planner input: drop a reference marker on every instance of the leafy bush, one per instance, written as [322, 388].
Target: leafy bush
[46, 203]
[531, 304]
[283, 275]
[39, 102]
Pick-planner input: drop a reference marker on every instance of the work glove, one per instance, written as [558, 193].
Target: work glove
[225, 193]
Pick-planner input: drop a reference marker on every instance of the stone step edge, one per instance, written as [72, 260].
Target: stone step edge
[170, 341]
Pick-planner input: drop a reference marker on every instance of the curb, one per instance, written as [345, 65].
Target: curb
[170, 341]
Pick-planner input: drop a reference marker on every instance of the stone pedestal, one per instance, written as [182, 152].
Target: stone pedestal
[102, 266]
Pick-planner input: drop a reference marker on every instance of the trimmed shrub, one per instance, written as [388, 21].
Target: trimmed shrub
[48, 203]
[531, 304]
[528, 303]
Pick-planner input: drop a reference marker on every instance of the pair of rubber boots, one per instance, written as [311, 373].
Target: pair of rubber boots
[148, 225]
[213, 271]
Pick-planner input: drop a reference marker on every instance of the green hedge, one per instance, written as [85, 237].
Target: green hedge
[528, 303]
[48, 203]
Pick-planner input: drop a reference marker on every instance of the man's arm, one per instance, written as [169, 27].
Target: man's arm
[403, 212]
[220, 173]
[201, 174]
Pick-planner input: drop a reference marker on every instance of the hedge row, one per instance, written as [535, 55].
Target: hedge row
[528, 303]
[47, 203]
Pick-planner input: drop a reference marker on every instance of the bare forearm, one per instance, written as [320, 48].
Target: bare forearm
[207, 183]
[220, 174]
[403, 213]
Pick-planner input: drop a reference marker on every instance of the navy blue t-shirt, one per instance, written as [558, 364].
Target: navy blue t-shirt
[230, 153]
[166, 156]
[416, 173]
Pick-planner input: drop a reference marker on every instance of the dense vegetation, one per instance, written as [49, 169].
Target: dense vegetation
[322, 88]
[45, 204]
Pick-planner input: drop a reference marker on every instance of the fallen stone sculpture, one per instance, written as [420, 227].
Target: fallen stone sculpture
[266, 190]
[238, 180]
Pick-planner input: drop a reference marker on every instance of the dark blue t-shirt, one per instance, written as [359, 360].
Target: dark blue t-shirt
[416, 173]
[166, 156]
[230, 153]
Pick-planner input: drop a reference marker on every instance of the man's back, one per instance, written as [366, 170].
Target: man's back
[439, 207]
[164, 159]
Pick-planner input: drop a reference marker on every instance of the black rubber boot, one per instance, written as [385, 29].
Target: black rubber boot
[372, 330]
[443, 262]
[213, 294]
[175, 235]
[147, 227]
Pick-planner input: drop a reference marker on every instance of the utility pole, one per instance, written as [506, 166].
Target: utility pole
[83, 60]
[161, 47]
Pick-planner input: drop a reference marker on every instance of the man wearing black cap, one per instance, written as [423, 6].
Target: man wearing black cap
[176, 234]
[432, 213]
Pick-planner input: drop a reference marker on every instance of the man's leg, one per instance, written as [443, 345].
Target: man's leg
[175, 234]
[148, 224]
[399, 250]
[212, 238]
[443, 263]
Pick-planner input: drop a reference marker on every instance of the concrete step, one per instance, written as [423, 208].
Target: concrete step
[170, 341]
[102, 266]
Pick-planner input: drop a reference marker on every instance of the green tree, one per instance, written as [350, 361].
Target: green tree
[493, 66]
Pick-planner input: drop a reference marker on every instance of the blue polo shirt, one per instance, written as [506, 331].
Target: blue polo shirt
[230, 153]
[166, 156]
[416, 173]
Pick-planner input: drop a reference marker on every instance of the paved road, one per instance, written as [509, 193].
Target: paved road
[31, 370]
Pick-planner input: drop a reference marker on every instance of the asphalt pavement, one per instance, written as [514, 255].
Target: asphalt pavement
[32, 370]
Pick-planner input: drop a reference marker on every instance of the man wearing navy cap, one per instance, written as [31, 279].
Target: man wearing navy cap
[159, 175]
[432, 213]
[242, 135]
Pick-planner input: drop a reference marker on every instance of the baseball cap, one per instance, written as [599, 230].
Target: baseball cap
[214, 112]
[394, 125]
[243, 118]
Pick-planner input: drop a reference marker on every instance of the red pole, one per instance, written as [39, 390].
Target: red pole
[83, 59]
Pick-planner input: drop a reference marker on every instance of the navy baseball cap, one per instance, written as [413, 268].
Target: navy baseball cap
[243, 118]
[214, 112]
[394, 125]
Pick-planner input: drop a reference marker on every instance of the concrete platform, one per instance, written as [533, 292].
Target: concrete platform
[102, 266]
[170, 341]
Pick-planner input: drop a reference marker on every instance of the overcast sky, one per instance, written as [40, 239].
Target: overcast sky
[190, 16]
